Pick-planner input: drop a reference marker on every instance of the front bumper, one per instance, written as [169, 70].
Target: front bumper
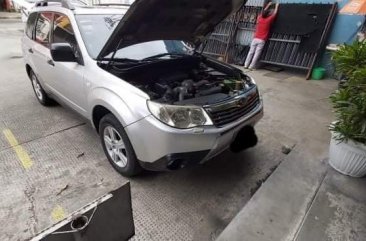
[157, 144]
[176, 161]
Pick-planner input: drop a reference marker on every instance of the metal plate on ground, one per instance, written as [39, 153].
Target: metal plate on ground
[108, 218]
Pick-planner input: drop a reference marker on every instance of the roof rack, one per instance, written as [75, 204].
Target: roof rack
[64, 3]
[112, 4]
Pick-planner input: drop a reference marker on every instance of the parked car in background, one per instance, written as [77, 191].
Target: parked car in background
[155, 101]
[24, 7]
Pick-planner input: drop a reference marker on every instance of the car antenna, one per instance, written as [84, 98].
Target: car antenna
[114, 53]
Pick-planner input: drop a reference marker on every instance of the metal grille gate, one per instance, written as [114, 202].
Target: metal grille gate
[231, 40]
[247, 22]
[283, 50]
[232, 34]
[219, 41]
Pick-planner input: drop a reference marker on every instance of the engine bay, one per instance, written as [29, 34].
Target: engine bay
[186, 81]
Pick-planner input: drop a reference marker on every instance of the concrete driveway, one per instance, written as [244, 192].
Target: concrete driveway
[63, 165]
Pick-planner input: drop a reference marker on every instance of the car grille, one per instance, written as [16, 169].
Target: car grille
[225, 113]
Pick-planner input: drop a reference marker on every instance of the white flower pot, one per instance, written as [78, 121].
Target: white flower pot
[348, 158]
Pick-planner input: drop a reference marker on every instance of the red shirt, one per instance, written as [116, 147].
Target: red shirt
[263, 27]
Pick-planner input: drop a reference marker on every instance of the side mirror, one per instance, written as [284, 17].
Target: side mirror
[62, 52]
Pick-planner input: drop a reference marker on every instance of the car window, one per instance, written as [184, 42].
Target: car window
[29, 30]
[64, 33]
[43, 28]
[62, 30]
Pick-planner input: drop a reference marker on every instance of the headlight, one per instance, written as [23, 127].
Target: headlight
[182, 117]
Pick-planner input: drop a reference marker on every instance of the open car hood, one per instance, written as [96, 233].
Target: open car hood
[187, 20]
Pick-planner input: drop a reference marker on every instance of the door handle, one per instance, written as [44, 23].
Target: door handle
[30, 51]
[50, 62]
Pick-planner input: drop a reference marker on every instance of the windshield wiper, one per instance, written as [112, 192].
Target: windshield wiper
[122, 60]
[135, 61]
[158, 56]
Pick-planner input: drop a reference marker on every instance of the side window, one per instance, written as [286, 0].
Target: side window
[64, 33]
[29, 30]
[43, 28]
[62, 30]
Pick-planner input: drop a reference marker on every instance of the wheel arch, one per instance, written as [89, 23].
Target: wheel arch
[28, 68]
[104, 101]
[99, 111]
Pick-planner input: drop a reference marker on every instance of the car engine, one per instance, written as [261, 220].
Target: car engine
[189, 82]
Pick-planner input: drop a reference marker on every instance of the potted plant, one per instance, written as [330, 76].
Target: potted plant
[348, 145]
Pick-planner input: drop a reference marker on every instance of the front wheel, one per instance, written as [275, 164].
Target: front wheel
[246, 138]
[117, 146]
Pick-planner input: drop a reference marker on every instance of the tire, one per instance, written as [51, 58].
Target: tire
[41, 95]
[117, 146]
[245, 139]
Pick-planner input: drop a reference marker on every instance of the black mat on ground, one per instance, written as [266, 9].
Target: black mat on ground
[108, 218]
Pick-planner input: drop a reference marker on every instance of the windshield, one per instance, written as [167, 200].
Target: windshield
[96, 29]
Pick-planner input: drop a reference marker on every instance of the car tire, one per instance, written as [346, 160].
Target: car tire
[245, 139]
[117, 146]
[41, 95]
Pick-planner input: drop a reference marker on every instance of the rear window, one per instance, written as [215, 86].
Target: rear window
[29, 30]
[43, 28]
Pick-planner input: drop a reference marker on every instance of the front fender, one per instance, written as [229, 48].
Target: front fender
[126, 113]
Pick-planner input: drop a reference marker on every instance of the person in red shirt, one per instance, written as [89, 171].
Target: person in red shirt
[261, 35]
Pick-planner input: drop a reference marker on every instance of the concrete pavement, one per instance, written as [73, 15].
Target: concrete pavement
[10, 27]
[338, 211]
[304, 200]
[277, 209]
[9, 15]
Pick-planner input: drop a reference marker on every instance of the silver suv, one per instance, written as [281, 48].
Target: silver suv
[136, 74]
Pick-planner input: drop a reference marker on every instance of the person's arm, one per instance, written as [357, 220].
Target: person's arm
[268, 6]
[276, 9]
[274, 14]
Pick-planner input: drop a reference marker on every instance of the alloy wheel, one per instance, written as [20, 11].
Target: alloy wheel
[37, 88]
[115, 146]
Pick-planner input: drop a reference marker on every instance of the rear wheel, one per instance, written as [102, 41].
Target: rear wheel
[41, 95]
[117, 146]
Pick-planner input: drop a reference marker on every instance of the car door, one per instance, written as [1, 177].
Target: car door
[39, 50]
[68, 81]
[28, 39]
